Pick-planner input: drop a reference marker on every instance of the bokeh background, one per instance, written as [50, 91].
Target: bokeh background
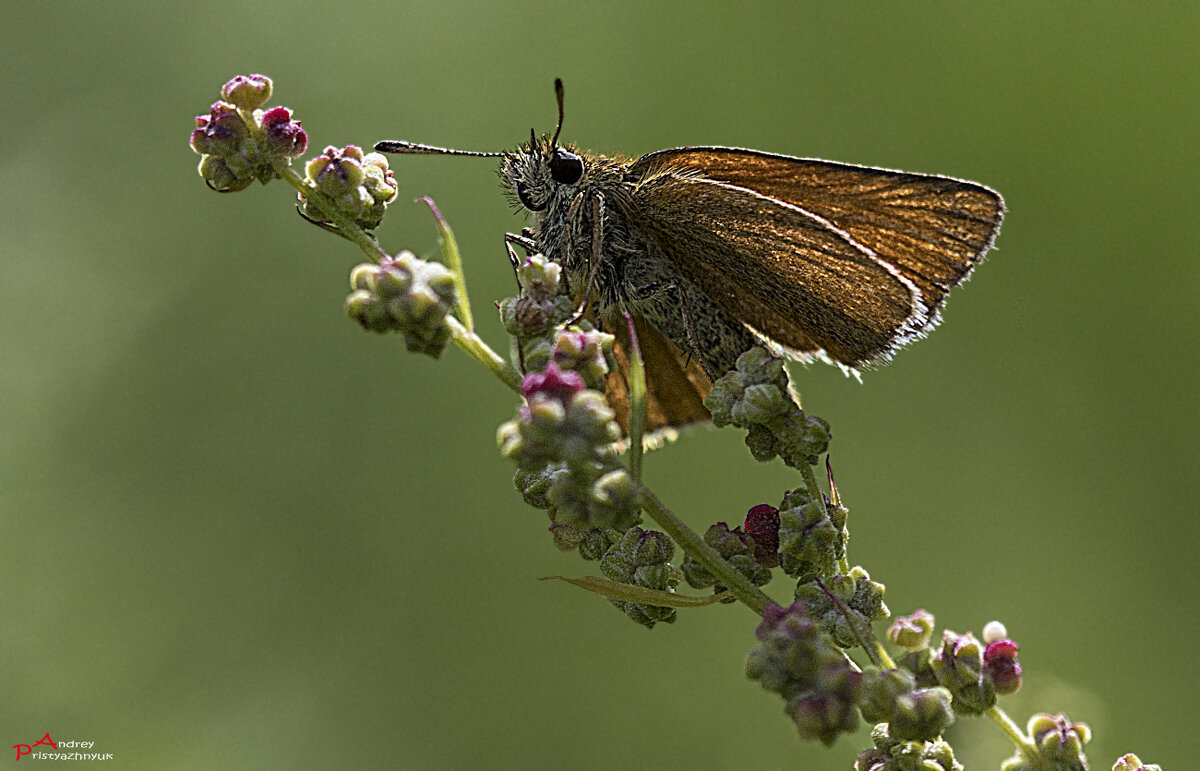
[238, 532]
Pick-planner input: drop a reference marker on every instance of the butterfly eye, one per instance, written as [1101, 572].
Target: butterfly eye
[566, 167]
[526, 201]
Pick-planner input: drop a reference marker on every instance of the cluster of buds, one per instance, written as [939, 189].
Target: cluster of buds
[911, 713]
[407, 295]
[535, 319]
[844, 605]
[357, 185]
[821, 688]
[1057, 744]
[974, 673]
[812, 536]
[892, 754]
[756, 396]
[738, 548]
[238, 142]
[643, 558]
[563, 438]
[565, 435]
[542, 305]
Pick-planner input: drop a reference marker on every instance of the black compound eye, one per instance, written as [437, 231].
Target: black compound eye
[526, 201]
[566, 167]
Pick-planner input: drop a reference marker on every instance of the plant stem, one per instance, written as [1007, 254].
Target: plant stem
[739, 586]
[1023, 742]
[478, 350]
[346, 226]
[464, 334]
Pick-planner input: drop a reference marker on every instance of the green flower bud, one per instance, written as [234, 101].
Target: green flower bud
[917, 662]
[911, 633]
[1060, 741]
[801, 438]
[958, 666]
[222, 177]
[827, 715]
[809, 541]
[761, 442]
[760, 403]
[247, 92]
[879, 691]
[589, 353]
[1131, 762]
[922, 714]
[534, 485]
[370, 311]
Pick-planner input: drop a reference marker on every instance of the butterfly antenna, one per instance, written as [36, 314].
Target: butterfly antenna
[412, 148]
[558, 94]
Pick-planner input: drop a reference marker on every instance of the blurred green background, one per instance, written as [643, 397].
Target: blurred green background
[241, 533]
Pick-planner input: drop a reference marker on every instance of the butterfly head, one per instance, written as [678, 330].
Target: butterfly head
[534, 173]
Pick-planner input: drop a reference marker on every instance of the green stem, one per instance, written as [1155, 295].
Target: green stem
[885, 661]
[478, 350]
[1023, 742]
[464, 336]
[739, 586]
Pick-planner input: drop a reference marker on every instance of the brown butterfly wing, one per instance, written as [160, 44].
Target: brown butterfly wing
[787, 273]
[934, 229]
[675, 386]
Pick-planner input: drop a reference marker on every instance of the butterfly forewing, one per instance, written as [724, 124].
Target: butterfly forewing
[811, 285]
[933, 229]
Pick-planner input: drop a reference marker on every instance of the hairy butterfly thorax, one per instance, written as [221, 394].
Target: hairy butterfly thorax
[583, 215]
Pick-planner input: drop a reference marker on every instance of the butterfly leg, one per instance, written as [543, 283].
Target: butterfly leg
[528, 244]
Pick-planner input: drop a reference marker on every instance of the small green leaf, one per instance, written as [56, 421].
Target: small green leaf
[453, 261]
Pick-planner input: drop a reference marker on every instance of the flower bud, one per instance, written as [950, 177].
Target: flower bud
[554, 383]
[856, 601]
[1001, 665]
[922, 714]
[762, 525]
[958, 666]
[911, 633]
[588, 353]
[1132, 762]
[284, 135]
[247, 92]
[809, 542]
[1059, 743]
